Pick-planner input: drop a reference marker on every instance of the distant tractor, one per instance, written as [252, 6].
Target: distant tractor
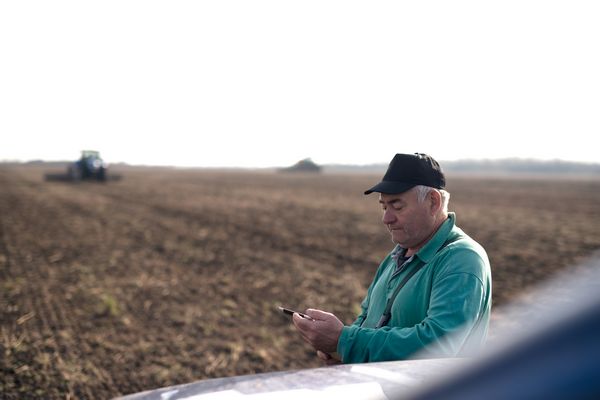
[89, 166]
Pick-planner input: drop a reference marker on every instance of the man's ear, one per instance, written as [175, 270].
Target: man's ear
[436, 201]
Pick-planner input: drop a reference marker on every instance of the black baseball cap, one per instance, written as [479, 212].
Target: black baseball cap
[409, 170]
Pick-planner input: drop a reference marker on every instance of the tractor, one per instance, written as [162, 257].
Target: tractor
[89, 166]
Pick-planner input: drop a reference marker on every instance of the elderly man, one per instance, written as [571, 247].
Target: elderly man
[430, 297]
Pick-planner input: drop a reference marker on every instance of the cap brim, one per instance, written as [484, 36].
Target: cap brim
[391, 187]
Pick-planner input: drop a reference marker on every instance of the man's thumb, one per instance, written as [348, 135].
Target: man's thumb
[317, 314]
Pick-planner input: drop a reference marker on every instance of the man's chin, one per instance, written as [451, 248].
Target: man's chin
[396, 241]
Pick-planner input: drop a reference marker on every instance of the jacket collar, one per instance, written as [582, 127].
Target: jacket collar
[427, 252]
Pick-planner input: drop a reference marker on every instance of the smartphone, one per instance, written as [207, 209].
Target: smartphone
[291, 312]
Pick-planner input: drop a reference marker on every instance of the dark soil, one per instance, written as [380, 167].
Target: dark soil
[169, 276]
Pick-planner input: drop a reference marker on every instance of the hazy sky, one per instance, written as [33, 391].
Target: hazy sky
[266, 83]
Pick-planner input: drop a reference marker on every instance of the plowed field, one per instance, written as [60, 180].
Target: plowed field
[169, 276]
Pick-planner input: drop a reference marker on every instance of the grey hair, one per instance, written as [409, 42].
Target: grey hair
[423, 191]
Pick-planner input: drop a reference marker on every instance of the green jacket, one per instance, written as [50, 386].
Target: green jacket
[442, 311]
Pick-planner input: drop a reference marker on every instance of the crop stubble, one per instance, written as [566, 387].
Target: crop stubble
[170, 276]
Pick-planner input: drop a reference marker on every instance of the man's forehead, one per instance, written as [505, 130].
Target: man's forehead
[389, 197]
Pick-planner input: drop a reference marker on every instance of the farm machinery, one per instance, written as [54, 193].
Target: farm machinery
[89, 166]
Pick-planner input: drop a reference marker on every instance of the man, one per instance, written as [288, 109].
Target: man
[431, 296]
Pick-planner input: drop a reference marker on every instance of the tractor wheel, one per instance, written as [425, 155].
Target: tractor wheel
[102, 174]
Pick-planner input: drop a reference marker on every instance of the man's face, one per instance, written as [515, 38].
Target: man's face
[410, 223]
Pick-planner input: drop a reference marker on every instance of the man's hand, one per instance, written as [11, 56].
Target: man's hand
[323, 332]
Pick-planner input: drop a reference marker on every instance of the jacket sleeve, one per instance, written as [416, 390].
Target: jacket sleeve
[456, 303]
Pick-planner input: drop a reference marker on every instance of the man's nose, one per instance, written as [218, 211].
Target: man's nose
[388, 217]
